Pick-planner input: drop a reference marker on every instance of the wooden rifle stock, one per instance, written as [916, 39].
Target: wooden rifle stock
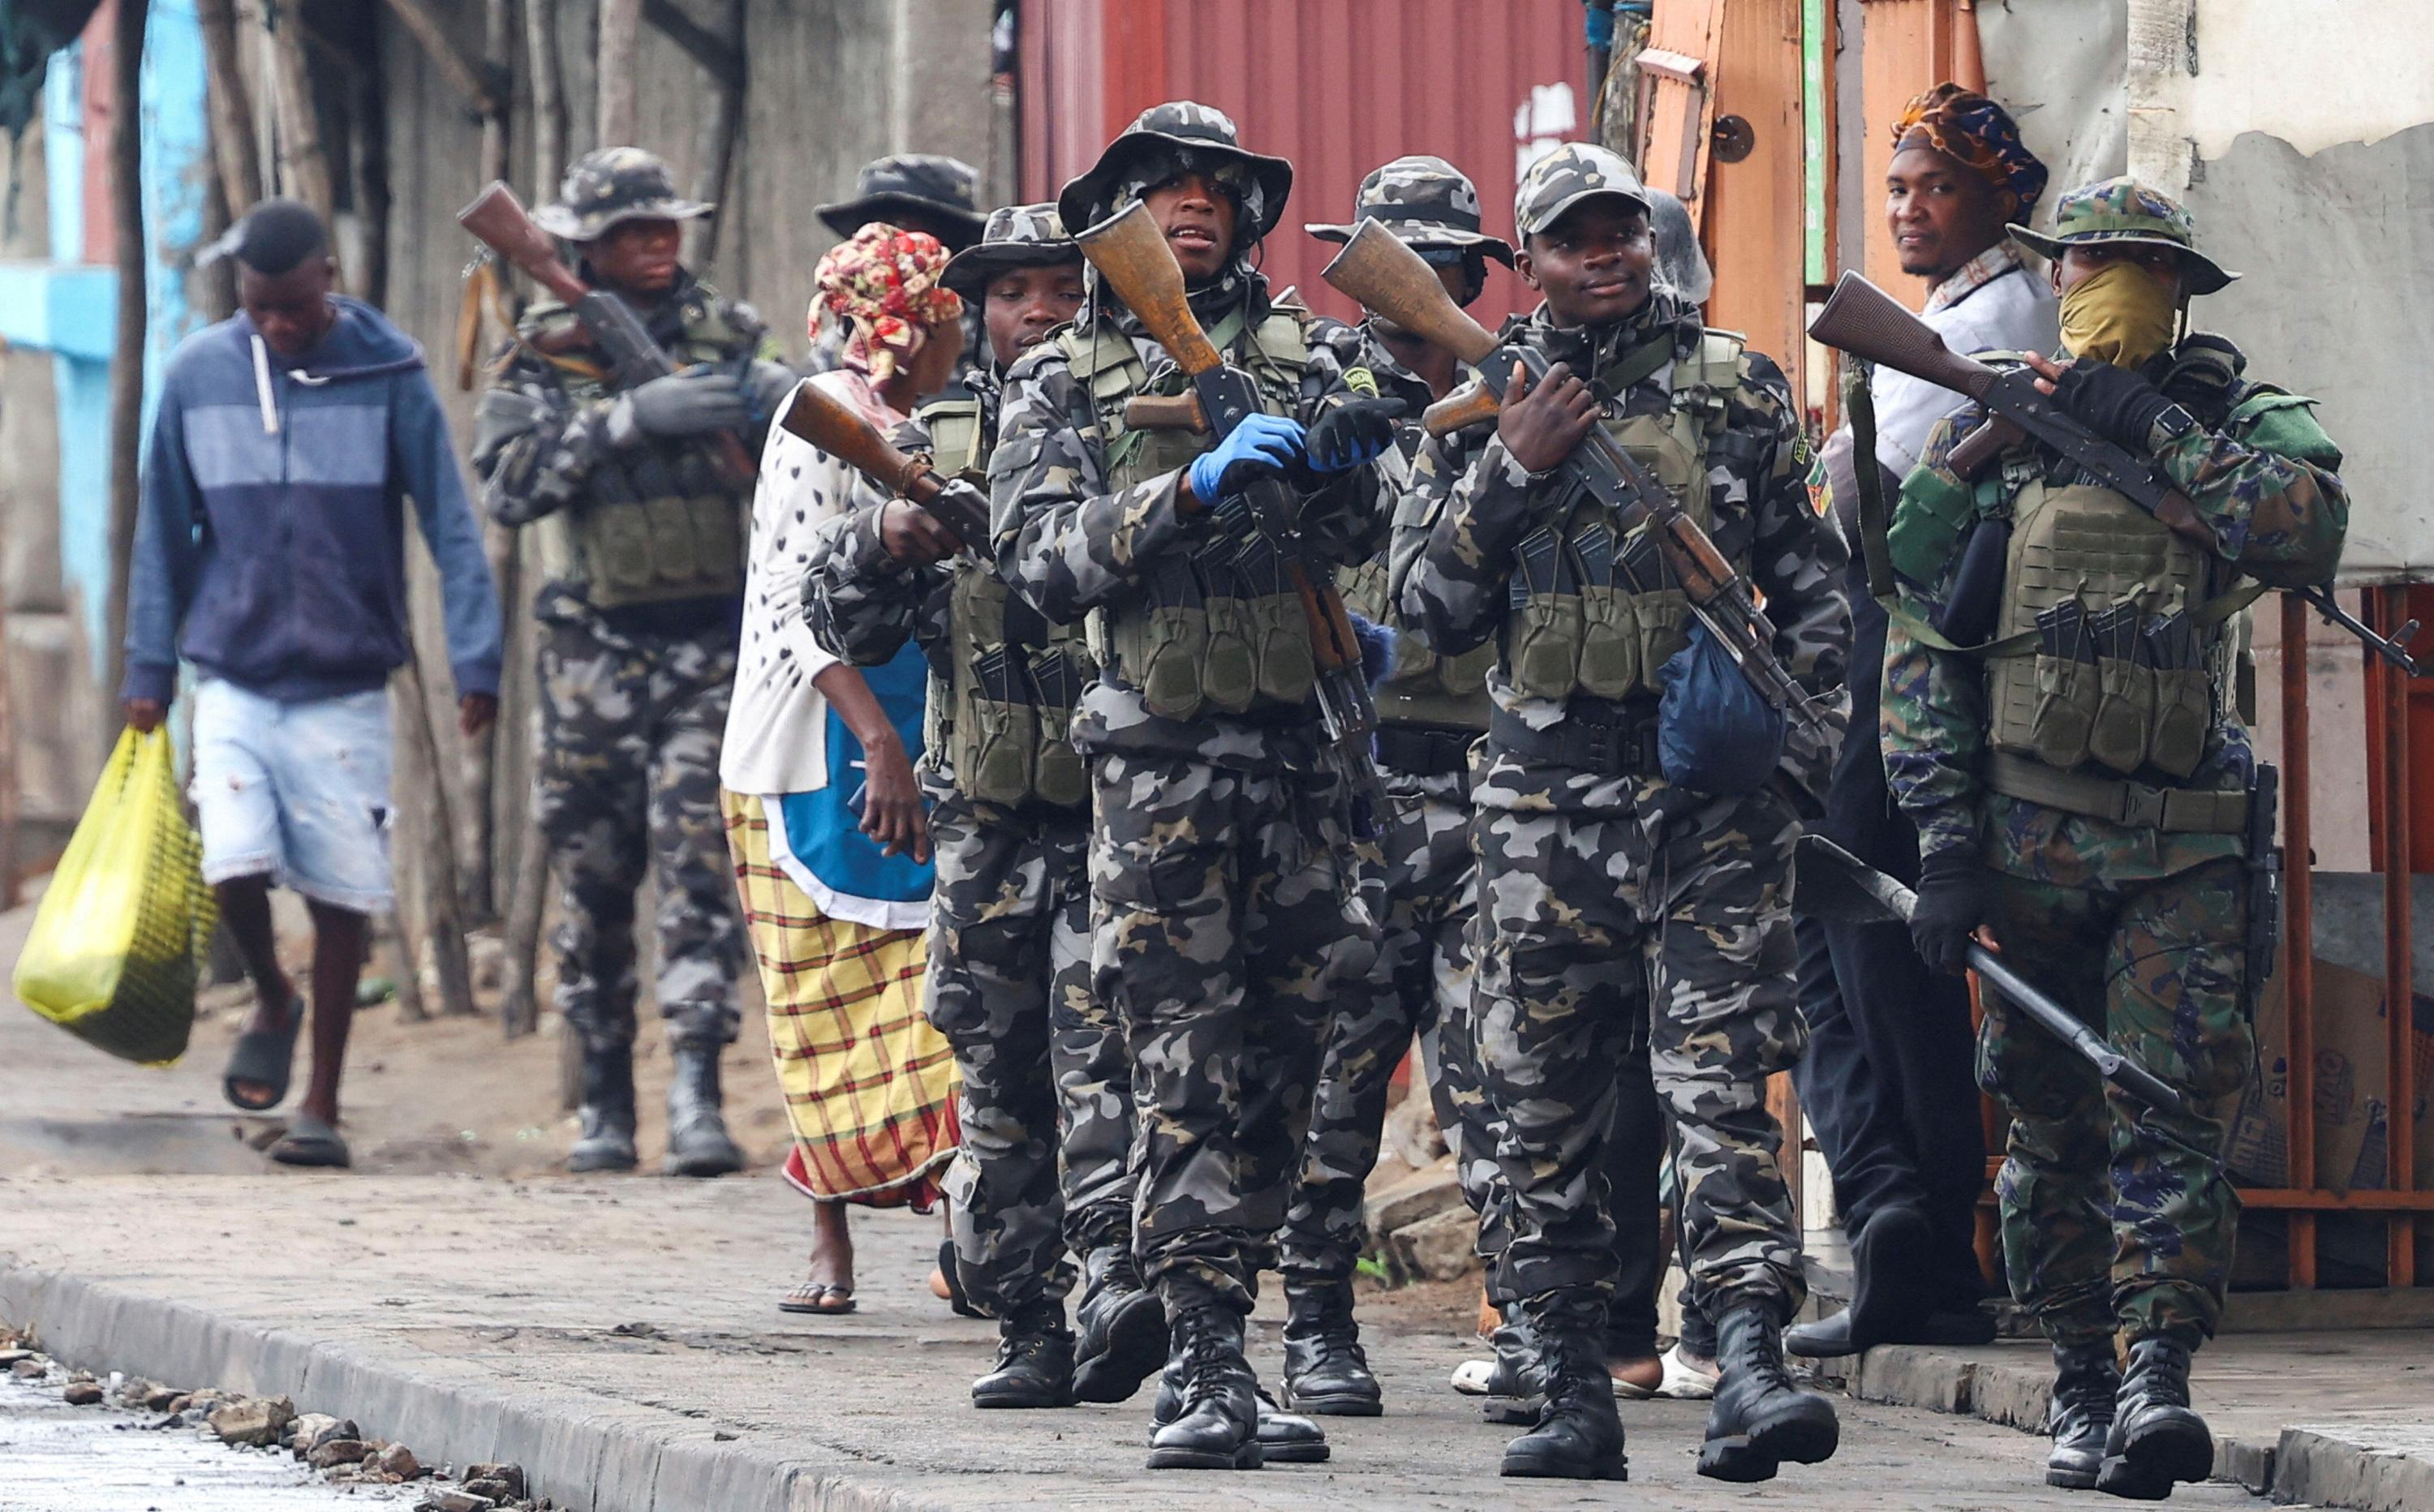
[500, 220]
[1471, 404]
[1390, 279]
[1130, 252]
[1165, 412]
[1867, 322]
[836, 428]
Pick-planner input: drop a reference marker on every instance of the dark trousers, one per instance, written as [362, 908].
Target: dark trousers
[1888, 1082]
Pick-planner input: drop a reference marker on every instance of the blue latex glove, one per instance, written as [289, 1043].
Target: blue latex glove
[1262, 443]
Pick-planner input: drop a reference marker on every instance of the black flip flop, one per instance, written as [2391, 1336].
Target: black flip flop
[311, 1141]
[815, 1297]
[265, 1058]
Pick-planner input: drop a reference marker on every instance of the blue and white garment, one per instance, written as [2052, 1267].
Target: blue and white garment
[820, 843]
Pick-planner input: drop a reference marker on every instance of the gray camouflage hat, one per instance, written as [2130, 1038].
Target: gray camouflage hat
[938, 189]
[614, 184]
[1186, 128]
[1564, 177]
[1427, 202]
[1017, 236]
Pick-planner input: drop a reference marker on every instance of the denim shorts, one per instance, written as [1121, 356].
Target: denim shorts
[299, 792]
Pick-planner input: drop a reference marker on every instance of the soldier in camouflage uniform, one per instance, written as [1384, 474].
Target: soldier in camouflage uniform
[1042, 1060]
[1424, 898]
[1222, 903]
[2081, 786]
[913, 192]
[1616, 906]
[642, 541]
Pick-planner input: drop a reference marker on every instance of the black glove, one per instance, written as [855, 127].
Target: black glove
[1351, 433]
[2115, 402]
[690, 403]
[1954, 889]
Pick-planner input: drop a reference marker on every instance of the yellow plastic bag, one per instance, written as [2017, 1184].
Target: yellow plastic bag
[123, 927]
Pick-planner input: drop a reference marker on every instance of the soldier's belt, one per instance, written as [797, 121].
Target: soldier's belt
[2172, 810]
[1424, 751]
[1593, 736]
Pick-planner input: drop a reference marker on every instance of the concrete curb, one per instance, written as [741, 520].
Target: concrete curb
[577, 1449]
[2320, 1466]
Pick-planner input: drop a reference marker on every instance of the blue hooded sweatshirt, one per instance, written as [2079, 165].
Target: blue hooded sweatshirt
[272, 525]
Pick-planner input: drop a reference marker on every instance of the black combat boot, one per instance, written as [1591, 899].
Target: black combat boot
[1579, 1435]
[1120, 1329]
[607, 1143]
[1285, 1439]
[1510, 1397]
[1325, 1373]
[1035, 1361]
[2085, 1380]
[2156, 1438]
[1760, 1418]
[698, 1142]
[1215, 1425]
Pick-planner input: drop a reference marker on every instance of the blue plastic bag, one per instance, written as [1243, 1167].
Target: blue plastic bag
[1715, 733]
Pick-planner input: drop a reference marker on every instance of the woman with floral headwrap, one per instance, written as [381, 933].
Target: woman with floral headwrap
[823, 816]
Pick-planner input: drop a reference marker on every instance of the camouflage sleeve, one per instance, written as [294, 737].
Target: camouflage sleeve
[1797, 556]
[1466, 510]
[861, 603]
[534, 447]
[1932, 711]
[2270, 484]
[1062, 538]
[1344, 521]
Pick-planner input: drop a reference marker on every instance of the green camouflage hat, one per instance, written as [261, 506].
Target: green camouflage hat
[614, 184]
[1427, 202]
[1564, 177]
[1017, 236]
[1190, 129]
[2124, 210]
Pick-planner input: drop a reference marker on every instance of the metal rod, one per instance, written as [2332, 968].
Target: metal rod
[2298, 949]
[2400, 1233]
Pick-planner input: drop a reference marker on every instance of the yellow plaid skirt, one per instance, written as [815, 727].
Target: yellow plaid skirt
[870, 1087]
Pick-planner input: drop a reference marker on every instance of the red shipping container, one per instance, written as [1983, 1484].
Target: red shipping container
[1337, 86]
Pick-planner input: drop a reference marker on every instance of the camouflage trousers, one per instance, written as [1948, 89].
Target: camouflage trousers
[626, 785]
[1612, 907]
[1424, 898]
[1046, 1105]
[1222, 911]
[2115, 1215]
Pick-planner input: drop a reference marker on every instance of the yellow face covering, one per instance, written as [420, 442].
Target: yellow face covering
[2117, 315]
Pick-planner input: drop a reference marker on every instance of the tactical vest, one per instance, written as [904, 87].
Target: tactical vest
[1218, 627]
[1577, 624]
[1004, 714]
[656, 525]
[1421, 687]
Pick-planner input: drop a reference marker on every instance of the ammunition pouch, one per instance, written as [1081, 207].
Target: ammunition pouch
[1008, 710]
[1616, 740]
[1420, 688]
[1420, 751]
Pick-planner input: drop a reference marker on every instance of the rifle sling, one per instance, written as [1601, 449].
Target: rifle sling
[1868, 478]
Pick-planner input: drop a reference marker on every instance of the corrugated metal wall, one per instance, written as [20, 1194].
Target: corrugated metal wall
[1337, 86]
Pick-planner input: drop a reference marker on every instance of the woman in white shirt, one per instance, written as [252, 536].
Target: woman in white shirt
[823, 814]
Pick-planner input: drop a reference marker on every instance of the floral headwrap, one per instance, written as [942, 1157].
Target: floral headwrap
[883, 284]
[1979, 134]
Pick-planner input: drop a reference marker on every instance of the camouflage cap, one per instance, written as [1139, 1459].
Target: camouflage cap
[2124, 210]
[1564, 177]
[614, 184]
[1427, 202]
[939, 190]
[1017, 236]
[1184, 125]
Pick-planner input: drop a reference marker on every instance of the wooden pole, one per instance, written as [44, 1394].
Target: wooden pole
[368, 165]
[716, 154]
[479, 897]
[431, 835]
[130, 248]
[620, 28]
[303, 162]
[480, 85]
[548, 97]
[234, 153]
[520, 1006]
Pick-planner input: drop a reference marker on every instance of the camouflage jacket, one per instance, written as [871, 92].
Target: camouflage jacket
[1072, 543]
[2268, 483]
[1470, 503]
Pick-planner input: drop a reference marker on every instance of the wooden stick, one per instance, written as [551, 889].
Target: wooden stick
[130, 246]
[479, 896]
[435, 846]
[303, 162]
[716, 152]
[621, 23]
[234, 153]
[548, 97]
[475, 81]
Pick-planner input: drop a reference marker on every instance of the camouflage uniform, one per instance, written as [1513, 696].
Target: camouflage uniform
[2115, 1218]
[1222, 900]
[633, 693]
[1613, 905]
[1042, 1060]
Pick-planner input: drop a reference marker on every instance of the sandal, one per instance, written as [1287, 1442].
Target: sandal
[263, 1058]
[817, 1297]
[309, 1141]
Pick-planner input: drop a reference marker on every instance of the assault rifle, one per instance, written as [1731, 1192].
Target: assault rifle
[1832, 884]
[1867, 322]
[498, 218]
[1131, 254]
[1390, 279]
[838, 429]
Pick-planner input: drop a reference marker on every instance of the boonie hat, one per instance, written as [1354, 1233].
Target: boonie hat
[1427, 202]
[2123, 210]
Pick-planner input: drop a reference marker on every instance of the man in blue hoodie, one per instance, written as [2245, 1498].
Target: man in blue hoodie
[271, 553]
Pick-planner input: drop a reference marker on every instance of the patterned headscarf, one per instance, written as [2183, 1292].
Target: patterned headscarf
[1979, 134]
[884, 285]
